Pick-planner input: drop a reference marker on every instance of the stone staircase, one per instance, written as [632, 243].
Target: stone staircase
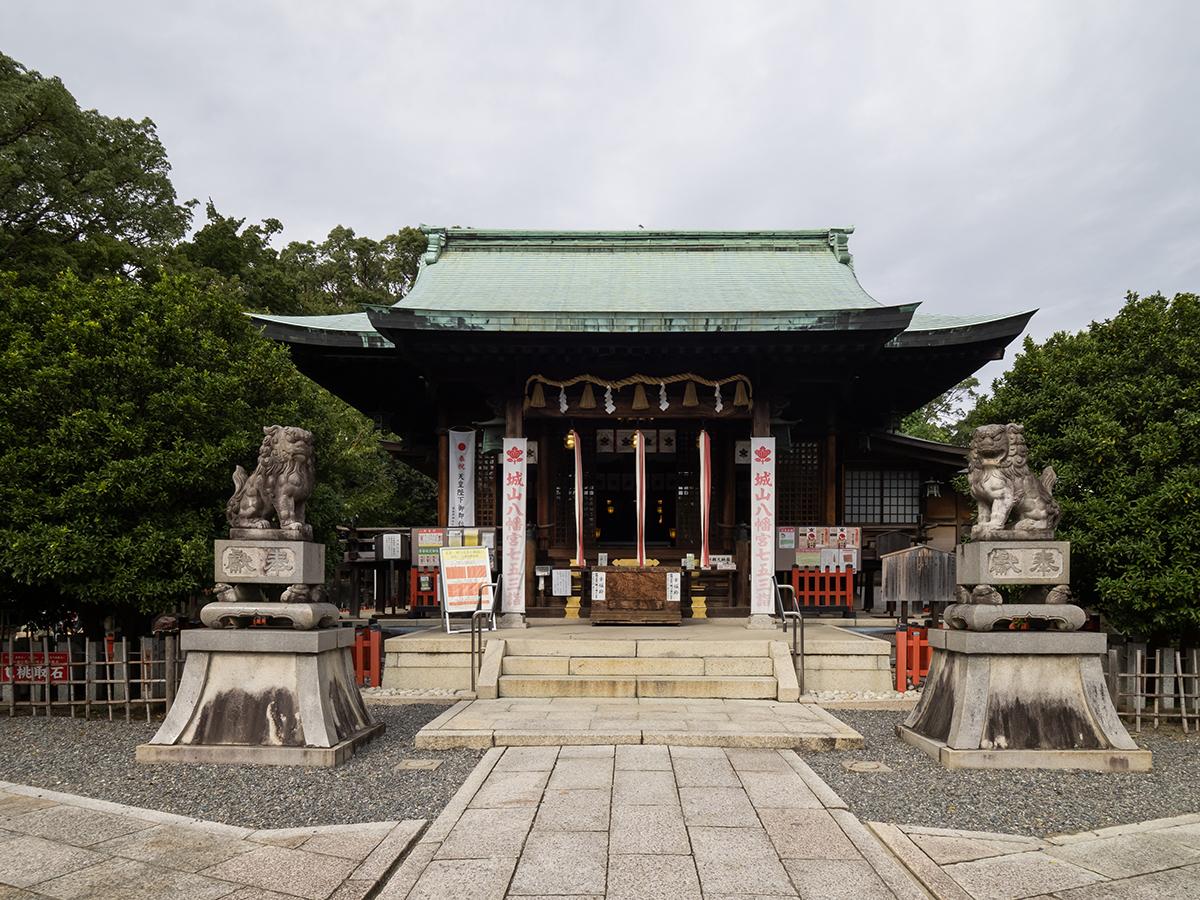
[736, 670]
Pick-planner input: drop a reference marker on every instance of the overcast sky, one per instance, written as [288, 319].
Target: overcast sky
[994, 157]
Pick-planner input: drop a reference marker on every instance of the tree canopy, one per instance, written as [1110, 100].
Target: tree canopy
[343, 273]
[941, 418]
[79, 191]
[1116, 410]
[123, 410]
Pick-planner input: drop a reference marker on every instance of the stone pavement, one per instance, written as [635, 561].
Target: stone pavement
[1155, 860]
[67, 847]
[569, 721]
[647, 821]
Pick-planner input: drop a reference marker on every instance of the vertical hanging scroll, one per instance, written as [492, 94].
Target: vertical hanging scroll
[705, 494]
[513, 556]
[575, 439]
[461, 506]
[762, 525]
[639, 456]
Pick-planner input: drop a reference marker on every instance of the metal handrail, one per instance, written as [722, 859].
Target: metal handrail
[478, 617]
[797, 619]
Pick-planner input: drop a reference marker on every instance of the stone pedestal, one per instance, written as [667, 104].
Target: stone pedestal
[264, 696]
[1020, 700]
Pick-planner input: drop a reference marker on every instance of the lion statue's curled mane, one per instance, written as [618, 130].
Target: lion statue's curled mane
[1002, 484]
[281, 483]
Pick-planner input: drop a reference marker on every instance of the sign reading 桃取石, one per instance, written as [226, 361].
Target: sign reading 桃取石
[762, 524]
[466, 576]
[33, 668]
[599, 585]
[461, 508]
[512, 565]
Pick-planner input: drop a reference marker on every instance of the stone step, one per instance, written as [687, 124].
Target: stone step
[760, 666]
[566, 686]
[730, 687]
[676, 686]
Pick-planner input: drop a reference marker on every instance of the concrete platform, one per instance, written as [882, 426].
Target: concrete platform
[569, 721]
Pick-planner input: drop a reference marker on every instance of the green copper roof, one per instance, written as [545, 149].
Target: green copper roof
[617, 273]
[631, 281]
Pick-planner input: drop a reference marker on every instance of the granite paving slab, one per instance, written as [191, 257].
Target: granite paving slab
[667, 822]
[70, 847]
[639, 720]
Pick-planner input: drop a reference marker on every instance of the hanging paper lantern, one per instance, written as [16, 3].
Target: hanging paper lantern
[588, 400]
[663, 403]
[609, 406]
[562, 399]
[689, 395]
[740, 397]
[538, 398]
[639, 398]
[718, 405]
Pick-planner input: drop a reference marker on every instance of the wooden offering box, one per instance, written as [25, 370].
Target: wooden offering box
[636, 596]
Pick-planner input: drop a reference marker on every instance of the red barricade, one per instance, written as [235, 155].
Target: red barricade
[423, 589]
[912, 656]
[368, 656]
[822, 590]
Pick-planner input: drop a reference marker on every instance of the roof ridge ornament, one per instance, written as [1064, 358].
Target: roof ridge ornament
[433, 252]
[839, 242]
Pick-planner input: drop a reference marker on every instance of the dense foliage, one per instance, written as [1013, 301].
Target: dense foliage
[1116, 410]
[941, 418]
[131, 381]
[79, 191]
[123, 410]
[341, 274]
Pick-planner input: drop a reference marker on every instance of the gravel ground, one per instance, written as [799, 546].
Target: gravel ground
[919, 792]
[95, 759]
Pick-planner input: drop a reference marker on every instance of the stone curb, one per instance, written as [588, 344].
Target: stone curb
[822, 791]
[889, 870]
[924, 869]
[1118, 830]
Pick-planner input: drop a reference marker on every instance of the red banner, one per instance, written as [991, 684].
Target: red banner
[639, 456]
[705, 495]
[31, 667]
[579, 560]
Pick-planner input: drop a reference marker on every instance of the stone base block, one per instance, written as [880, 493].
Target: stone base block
[304, 616]
[1009, 562]
[1088, 760]
[1020, 700]
[264, 697]
[986, 617]
[324, 757]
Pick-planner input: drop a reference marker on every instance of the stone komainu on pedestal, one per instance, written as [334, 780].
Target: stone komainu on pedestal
[1016, 685]
[267, 695]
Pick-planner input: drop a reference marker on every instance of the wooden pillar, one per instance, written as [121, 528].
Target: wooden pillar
[831, 479]
[729, 493]
[443, 465]
[514, 417]
[760, 417]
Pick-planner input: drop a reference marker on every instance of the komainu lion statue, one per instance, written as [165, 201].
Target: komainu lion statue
[281, 483]
[1001, 483]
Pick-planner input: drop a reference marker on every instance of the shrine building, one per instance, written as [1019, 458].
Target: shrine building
[717, 404]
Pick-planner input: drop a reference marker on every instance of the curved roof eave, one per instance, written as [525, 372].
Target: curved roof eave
[940, 331]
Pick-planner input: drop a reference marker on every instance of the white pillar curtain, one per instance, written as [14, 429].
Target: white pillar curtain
[639, 455]
[705, 495]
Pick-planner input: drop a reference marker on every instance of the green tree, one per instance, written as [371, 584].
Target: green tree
[343, 273]
[941, 418]
[1116, 410]
[123, 410]
[78, 191]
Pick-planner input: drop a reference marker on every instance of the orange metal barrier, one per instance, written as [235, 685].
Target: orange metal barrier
[822, 590]
[912, 656]
[422, 589]
[368, 656]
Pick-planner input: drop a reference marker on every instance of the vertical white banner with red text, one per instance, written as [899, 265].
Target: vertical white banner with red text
[461, 508]
[512, 559]
[762, 525]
